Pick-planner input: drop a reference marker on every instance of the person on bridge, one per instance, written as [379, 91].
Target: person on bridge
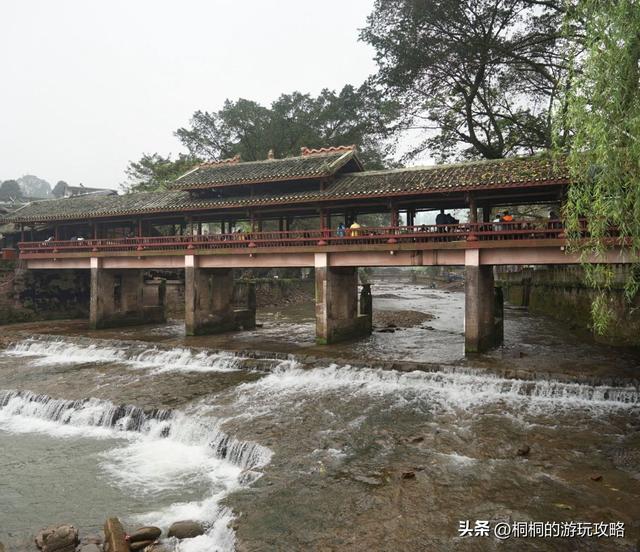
[441, 218]
[506, 217]
[341, 231]
[354, 229]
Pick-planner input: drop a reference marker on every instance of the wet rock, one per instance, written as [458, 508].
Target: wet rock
[408, 474]
[596, 477]
[145, 534]
[140, 545]
[416, 439]
[186, 529]
[523, 450]
[91, 547]
[386, 330]
[57, 538]
[114, 536]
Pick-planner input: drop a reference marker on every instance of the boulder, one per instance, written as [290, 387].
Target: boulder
[57, 538]
[140, 545]
[186, 529]
[114, 536]
[145, 534]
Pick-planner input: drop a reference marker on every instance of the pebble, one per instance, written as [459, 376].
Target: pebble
[145, 534]
[596, 477]
[524, 450]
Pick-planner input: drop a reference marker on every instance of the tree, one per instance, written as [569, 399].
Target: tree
[59, 189]
[153, 171]
[352, 116]
[600, 126]
[479, 77]
[10, 190]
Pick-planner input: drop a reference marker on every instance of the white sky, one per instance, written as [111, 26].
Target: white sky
[87, 86]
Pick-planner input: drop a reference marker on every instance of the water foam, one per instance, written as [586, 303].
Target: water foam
[57, 351]
[163, 451]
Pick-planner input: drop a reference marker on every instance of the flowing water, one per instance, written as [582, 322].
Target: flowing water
[324, 448]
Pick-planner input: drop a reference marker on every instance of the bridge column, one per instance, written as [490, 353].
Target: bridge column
[210, 305]
[338, 315]
[117, 298]
[483, 306]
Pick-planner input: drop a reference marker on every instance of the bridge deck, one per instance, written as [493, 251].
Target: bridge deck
[499, 243]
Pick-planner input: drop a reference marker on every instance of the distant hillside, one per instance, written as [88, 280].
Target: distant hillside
[32, 186]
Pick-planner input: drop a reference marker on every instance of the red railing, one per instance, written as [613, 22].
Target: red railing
[307, 238]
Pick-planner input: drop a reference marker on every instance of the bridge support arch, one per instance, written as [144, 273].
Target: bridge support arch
[116, 298]
[340, 313]
[211, 299]
[483, 317]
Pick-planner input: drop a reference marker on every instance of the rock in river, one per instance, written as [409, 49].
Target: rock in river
[114, 538]
[140, 545]
[145, 534]
[186, 529]
[57, 538]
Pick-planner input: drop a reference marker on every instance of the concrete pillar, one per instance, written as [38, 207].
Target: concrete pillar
[210, 305]
[117, 298]
[337, 314]
[483, 315]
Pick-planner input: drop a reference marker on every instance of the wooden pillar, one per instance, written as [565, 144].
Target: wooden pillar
[199, 228]
[281, 224]
[473, 209]
[486, 213]
[21, 232]
[56, 232]
[140, 229]
[394, 215]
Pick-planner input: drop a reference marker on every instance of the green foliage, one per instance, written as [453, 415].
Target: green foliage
[599, 124]
[352, 116]
[10, 190]
[477, 76]
[153, 172]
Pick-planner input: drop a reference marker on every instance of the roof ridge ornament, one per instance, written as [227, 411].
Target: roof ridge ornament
[304, 151]
[229, 161]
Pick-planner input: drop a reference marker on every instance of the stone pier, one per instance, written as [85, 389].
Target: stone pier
[117, 298]
[211, 299]
[483, 320]
[339, 316]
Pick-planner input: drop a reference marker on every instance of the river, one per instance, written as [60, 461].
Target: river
[274, 443]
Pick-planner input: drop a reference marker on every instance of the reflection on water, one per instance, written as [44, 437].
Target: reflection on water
[351, 457]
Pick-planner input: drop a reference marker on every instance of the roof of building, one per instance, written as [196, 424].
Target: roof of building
[436, 179]
[312, 163]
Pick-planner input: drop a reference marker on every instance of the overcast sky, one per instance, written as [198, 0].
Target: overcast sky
[87, 86]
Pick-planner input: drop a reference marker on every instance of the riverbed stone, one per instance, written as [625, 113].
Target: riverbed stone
[149, 533]
[57, 538]
[186, 529]
[114, 536]
[91, 547]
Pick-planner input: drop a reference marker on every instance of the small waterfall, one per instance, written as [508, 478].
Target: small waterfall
[53, 350]
[450, 388]
[123, 419]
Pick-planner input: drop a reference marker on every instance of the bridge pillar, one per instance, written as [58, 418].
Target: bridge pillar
[210, 300]
[117, 298]
[338, 315]
[483, 324]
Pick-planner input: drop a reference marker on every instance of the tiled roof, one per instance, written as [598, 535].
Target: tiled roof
[311, 164]
[422, 181]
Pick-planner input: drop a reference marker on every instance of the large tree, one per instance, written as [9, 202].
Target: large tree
[479, 77]
[153, 172]
[600, 129]
[352, 116]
